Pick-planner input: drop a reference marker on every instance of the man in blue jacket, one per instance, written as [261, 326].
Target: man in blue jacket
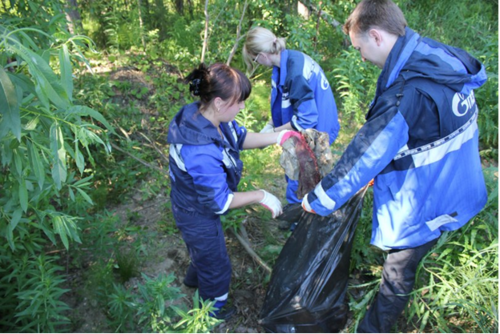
[419, 144]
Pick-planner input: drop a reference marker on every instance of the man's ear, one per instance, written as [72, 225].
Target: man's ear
[375, 34]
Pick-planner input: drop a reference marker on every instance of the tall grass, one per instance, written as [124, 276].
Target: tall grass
[457, 282]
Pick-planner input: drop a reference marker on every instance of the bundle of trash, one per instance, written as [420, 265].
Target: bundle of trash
[307, 290]
[307, 160]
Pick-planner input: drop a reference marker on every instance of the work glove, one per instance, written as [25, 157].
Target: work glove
[272, 203]
[306, 206]
[287, 134]
[269, 128]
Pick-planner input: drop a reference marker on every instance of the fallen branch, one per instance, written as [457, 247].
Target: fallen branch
[246, 244]
[153, 145]
[139, 159]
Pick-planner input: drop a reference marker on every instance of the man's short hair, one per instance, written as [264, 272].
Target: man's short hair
[383, 14]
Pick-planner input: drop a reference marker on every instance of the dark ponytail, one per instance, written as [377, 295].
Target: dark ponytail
[198, 79]
[219, 80]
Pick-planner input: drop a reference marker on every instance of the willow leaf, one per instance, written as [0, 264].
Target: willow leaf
[36, 164]
[23, 195]
[89, 112]
[48, 84]
[59, 169]
[66, 71]
[9, 107]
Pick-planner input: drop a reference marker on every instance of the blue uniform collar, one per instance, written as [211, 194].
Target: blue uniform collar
[279, 73]
[399, 55]
[413, 56]
[190, 127]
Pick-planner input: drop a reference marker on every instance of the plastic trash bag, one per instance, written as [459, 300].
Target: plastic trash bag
[309, 280]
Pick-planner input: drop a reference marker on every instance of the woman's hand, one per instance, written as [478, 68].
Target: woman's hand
[272, 203]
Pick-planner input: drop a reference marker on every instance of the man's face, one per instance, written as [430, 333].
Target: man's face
[367, 46]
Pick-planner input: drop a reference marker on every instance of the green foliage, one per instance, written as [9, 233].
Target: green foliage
[41, 133]
[127, 264]
[233, 219]
[457, 283]
[153, 308]
[46, 139]
[366, 260]
[355, 84]
[152, 313]
[122, 307]
[198, 319]
[487, 98]
[30, 291]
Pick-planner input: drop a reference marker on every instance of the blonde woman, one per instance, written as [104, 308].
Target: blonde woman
[301, 96]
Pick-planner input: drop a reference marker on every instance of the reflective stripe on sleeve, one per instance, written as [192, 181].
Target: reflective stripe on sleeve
[226, 206]
[323, 198]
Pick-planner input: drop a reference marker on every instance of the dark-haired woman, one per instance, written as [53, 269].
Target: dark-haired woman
[301, 96]
[205, 169]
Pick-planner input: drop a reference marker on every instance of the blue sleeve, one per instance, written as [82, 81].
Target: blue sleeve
[305, 112]
[241, 134]
[372, 149]
[205, 165]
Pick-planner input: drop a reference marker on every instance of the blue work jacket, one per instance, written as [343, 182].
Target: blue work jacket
[205, 169]
[420, 144]
[301, 94]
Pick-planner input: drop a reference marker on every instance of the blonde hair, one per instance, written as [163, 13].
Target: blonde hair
[261, 40]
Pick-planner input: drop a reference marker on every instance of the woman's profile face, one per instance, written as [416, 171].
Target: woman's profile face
[263, 59]
[228, 111]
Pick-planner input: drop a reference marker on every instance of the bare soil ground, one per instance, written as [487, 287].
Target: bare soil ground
[167, 254]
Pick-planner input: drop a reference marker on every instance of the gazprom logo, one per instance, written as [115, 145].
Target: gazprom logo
[461, 104]
[324, 82]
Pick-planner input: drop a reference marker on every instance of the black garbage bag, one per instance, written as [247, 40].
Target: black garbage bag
[308, 284]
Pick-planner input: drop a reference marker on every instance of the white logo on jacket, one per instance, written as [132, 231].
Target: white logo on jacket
[324, 82]
[461, 104]
[285, 101]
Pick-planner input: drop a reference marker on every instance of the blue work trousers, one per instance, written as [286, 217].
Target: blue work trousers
[210, 268]
[398, 279]
[291, 189]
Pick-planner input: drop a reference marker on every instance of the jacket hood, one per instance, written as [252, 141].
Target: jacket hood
[190, 127]
[416, 57]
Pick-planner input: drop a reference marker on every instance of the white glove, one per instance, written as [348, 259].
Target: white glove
[269, 128]
[272, 203]
[306, 206]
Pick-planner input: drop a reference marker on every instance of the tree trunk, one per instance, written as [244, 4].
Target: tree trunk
[179, 7]
[160, 18]
[190, 8]
[205, 39]
[141, 25]
[327, 18]
[238, 34]
[73, 17]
